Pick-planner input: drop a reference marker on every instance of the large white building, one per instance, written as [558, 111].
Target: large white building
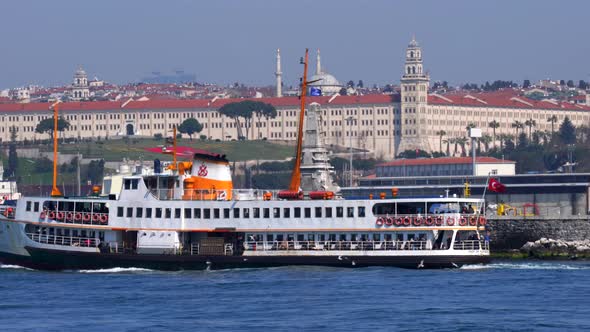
[384, 124]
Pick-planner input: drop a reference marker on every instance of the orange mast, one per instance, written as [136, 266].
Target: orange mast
[55, 191]
[296, 174]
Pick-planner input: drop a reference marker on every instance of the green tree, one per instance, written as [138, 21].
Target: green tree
[10, 171]
[517, 125]
[95, 171]
[522, 141]
[486, 140]
[413, 154]
[190, 126]
[530, 123]
[440, 134]
[526, 84]
[46, 126]
[567, 131]
[267, 111]
[553, 120]
[494, 125]
[462, 141]
[570, 84]
[244, 109]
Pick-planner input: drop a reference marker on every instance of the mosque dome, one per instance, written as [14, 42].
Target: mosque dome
[80, 73]
[327, 83]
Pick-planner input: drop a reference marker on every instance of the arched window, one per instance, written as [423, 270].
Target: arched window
[409, 70]
[413, 70]
[411, 54]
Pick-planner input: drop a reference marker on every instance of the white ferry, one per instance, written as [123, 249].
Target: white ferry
[191, 217]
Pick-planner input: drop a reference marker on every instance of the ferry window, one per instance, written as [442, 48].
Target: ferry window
[297, 212]
[384, 208]
[139, 212]
[342, 237]
[307, 212]
[300, 237]
[236, 212]
[435, 207]
[168, 213]
[410, 208]
[376, 237]
[197, 213]
[129, 212]
[226, 213]
[269, 238]
[290, 237]
[361, 211]
[69, 206]
[158, 212]
[328, 212]
[388, 237]
[318, 212]
[187, 213]
[36, 206]
[266, 213]
[353, 237]
[148, 212]
[321, 237]
[127, 184]
[286, 212]
[311, 237]
[216, 213]
[177, 213]
[207, 213]
[331, 237]
[400, 237]
[339, 212]
[276, 213]
[119, 211]
[134, 183]
[28, 205]
[246, 212]
[256, 213]
[49, 205]
[350, 212]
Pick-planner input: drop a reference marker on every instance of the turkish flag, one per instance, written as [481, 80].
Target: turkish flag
[495, 186]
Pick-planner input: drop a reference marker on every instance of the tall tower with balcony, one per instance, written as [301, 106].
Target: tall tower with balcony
[414, 102]
[80, 89]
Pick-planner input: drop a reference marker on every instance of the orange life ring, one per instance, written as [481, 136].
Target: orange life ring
[407, 221]
[60, 215]
[482, 221]
[86, 217]
[51, 215]
[450, 221]
[439, 221]
[104, 218]
[472, 221]
[462, 221]
[399, 221]
[429, 221]
[78, 216]
[379, 221]
[417, 221]
[389, 221]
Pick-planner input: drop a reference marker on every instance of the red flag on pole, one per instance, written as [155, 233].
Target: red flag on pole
[495, 186]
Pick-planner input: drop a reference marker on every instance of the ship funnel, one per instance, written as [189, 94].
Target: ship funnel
[210, 180]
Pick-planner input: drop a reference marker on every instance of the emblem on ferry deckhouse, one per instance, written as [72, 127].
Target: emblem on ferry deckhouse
[203, 170]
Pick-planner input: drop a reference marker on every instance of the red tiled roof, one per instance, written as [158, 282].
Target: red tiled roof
[197, 103]
[504, 98]
[445, 161]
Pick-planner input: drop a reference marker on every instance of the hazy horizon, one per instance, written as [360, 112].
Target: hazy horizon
[229, 41]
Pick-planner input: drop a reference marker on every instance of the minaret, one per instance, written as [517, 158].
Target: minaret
[414, 101]
[318, 66]
[279, 74]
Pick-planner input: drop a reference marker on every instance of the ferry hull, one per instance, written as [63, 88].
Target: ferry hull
[49, 259]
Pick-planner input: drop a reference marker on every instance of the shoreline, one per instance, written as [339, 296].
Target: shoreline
[516, 254]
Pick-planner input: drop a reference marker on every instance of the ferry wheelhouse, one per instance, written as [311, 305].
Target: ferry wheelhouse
[189, 216]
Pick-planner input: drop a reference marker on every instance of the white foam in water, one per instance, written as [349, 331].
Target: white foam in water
[2, 266]
[116, 270]
[527, 266]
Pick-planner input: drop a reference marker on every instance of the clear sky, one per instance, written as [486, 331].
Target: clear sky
[225, 41]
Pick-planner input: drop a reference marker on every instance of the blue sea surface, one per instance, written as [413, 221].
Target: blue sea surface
[502, 296]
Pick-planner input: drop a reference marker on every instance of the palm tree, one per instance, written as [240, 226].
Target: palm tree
[440, 134]
[470, 125]
[448, 142]
[486, 140]
[552, 119]
[494, 124]
[518, 125]
[530, 123]
[456, 142]
[462, 141]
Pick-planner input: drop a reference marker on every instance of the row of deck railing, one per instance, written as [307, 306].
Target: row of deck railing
[61, 240]
[362, 245]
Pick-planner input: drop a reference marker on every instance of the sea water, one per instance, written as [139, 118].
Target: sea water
[502, 296]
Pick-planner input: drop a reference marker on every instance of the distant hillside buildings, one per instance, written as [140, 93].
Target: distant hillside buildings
[381, 123]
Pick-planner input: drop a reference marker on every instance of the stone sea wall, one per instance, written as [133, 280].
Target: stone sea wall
[509, 232]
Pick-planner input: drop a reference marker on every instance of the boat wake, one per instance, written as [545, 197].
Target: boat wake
[527, 266]
[116, 270]
[9, 266]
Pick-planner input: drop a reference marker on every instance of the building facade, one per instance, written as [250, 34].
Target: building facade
[382, 124]
[446, 166]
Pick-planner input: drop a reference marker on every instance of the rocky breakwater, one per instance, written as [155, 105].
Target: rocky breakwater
[563, 236]
[547, 248]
